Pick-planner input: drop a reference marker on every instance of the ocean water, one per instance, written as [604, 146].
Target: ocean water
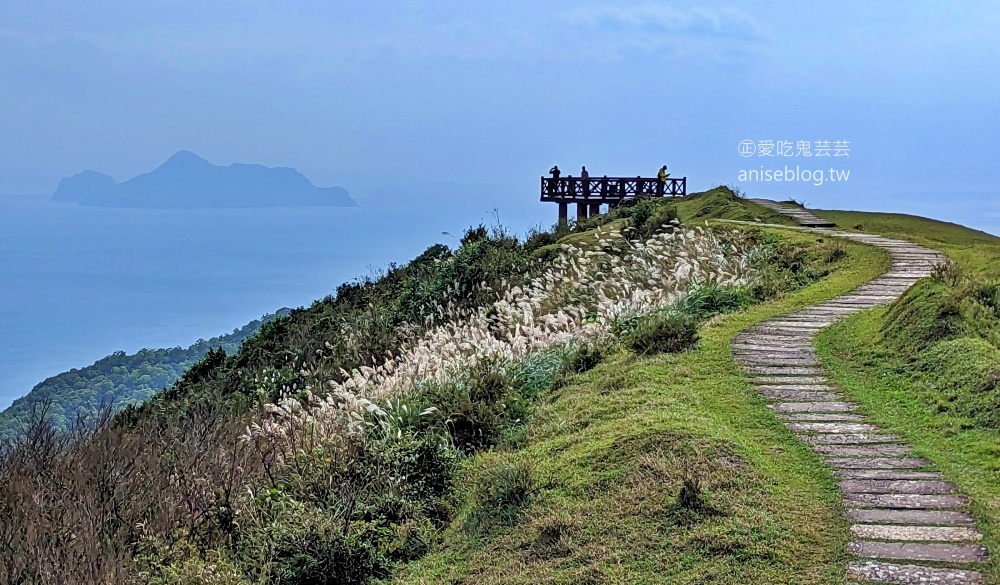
[78, 283]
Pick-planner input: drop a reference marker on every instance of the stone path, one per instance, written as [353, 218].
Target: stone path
[910, 526]
[795, 212]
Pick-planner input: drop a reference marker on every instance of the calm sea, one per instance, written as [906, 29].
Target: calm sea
[78, 283]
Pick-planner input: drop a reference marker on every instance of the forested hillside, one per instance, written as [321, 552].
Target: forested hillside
[117, 380]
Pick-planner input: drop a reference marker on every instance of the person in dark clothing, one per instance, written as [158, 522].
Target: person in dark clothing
[554, 181]
[584, 174]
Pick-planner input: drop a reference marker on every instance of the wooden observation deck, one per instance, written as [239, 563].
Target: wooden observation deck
[589, 194]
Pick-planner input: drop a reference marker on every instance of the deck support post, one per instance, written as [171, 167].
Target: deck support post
[563, 212]
[581, 211]
[595, 209]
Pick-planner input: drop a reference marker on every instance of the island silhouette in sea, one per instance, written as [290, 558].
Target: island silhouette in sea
[187, 181]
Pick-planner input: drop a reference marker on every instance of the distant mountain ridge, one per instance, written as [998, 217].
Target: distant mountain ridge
[81, 184]
[187, 181]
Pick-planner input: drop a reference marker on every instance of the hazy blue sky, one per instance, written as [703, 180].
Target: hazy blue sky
[348, 92]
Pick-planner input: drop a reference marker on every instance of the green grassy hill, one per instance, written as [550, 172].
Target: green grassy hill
[559, 408]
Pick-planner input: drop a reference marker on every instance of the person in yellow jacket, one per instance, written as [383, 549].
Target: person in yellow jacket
[663, 174]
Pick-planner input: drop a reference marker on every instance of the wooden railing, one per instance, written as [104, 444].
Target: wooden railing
[609, 189]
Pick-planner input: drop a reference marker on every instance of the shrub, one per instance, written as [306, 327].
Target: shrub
[650, 214]
[689, 496]
[834, 252]
[555, 535]
[712, 299]
[500, 489]
[182, 563]
[663, 332]
[946, 272]
[477, 407]
[585, 357]
[317, 553]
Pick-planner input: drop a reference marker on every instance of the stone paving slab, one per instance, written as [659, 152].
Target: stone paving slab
[769, 342]
[805, 325]
[812, 407]
[775, 347]
[740, 349]
[848, 438]
[776, 357]
[905, 501]
[832, 427]
[797, 387]
[886, 474]
[893, 574]
[862, 451]
[800, 395]
[782, 331]
[904, 551]
[925, 517]
[820, 416]
[789, 339]
[780, 370]
[808, 319]
[877, 462]
[849, 302]
[788, 380]
[897, 486]
[916, 533]
[766, 341]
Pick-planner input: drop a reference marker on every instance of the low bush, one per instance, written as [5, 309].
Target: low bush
[650, 215]
[662, 332]
[585, 358]
[712, 299]
[477, 407]
[500, 487]
[318, 553]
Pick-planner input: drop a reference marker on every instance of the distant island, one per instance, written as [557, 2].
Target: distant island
[187, 181]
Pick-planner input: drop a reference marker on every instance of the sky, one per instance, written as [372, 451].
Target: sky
[494, 93]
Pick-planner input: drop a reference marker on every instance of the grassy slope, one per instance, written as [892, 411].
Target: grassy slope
[974, 250]
[610, 449]
[710, 205]
[968, 454]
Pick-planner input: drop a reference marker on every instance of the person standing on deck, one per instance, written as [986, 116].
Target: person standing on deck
[585, 176]
[661, 180]
[554, 181]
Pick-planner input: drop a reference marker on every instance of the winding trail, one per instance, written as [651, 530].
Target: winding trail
[910, 526]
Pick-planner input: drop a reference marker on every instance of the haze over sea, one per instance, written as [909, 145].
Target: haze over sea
[79, 283]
